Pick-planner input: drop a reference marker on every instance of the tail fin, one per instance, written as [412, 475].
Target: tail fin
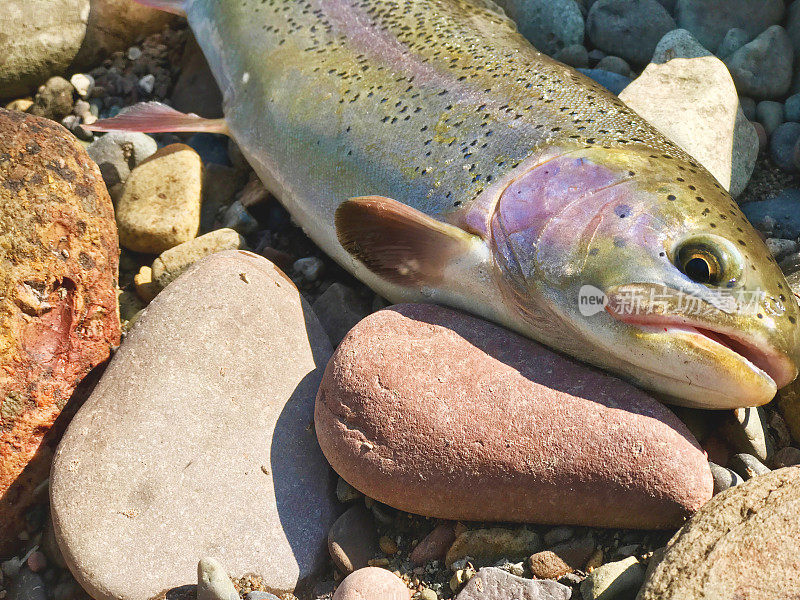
[154, 117]
[171, 6]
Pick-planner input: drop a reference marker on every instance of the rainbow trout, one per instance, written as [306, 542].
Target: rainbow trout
[433, 152]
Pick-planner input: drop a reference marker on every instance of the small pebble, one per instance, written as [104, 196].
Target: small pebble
[147, 83]
[428, 594]
[791, 108]
[747, 466]
[134, 53]
[615, 64]
[83, 84]
[770, 115]
[261, 596]
[213, 582]
[786, 457]
[37, 561]
[574, 56]
[614, 580]
[309, 268]
[733, 40]
[782, 143]
[779, 248]
[723, 478]
[761, 133]
[238, 218]
[748, 106]
[387, 545]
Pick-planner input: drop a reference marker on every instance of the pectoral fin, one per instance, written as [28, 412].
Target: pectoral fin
[399, 243]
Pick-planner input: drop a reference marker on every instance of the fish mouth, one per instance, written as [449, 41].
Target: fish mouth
[762, 359]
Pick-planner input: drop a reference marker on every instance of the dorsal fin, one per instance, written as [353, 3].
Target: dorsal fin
[399, 243]
[155, 117]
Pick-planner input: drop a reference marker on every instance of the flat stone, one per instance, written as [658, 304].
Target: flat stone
[353, 540]
[164, 466]
[434, 546]
[545, 440]
[495, 584]
[487, 546]
[745, 543]
[373, 583]
[160, 203]
[763, 67]
[58, 305]
[628, 28]
[710, 20]
[173, 262]
[693, 101]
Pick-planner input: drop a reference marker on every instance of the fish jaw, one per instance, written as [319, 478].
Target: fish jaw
[703, 363]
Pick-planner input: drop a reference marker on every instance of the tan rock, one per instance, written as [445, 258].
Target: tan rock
[745, 543]
[160, 203]
[487, 546]
[58, 306]
[693, 101]
[494, 427]
[171, 263]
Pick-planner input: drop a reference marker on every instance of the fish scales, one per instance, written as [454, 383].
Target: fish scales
[433, 152]
[438, 99]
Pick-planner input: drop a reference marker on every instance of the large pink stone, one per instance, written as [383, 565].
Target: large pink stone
[442, 414]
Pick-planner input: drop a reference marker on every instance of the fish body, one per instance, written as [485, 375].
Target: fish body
[491, 178]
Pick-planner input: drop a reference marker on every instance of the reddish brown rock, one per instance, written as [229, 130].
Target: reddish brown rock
[373, 583]
[434, 545]
[442, 414]
[58, 315]
[562, 558]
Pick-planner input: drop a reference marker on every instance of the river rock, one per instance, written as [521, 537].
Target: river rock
[173, 262]
[353, 540]
[763, 68]
[164, 465]
[41, 38]
[733, 40]
[487, 546]
[614, 581]
[550, 25]
[117, 152]
[58, 314]
[491, 583]
[782, 143]
[628, 28]
[160, 203]
[434, 546]
[545, 439]
[373, 583]
[710, 20]
[745, 543]
[693, 102]
[779, 216]
[53, 100]
[678, 43]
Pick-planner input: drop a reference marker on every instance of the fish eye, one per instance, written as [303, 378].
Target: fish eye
[700, 262]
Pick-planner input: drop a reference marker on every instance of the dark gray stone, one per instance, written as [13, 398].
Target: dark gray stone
[27, 586]
[763, 68]
[710, 20]
[747, 465]
[782, 143]
[628, 28]
[550, 25]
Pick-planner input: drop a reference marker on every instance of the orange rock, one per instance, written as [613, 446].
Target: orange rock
[58, 271]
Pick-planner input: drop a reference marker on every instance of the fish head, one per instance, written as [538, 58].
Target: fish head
[641, 263]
